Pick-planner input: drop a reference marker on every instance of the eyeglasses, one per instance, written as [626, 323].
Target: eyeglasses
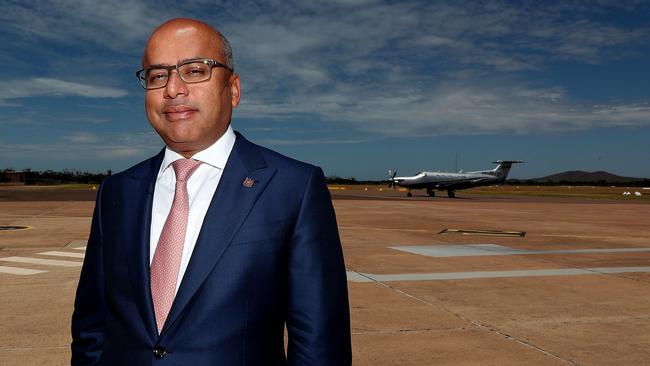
[190, 71]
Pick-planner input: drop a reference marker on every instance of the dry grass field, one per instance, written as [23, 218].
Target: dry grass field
[569, 192]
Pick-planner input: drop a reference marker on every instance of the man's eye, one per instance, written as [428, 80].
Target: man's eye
[195, 72]
[157, 76]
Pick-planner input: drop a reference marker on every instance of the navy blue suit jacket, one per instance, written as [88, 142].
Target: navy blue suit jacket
[266, 256]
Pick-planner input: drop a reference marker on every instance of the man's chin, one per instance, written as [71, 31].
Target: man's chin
[184, 147]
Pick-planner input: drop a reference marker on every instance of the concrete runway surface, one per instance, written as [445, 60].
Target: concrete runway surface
[575, 290]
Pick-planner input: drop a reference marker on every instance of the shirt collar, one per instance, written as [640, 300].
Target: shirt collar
[215, 155]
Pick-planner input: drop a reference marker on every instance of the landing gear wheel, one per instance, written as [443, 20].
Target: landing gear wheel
[451, 194]
[431, 192]
[408, 194]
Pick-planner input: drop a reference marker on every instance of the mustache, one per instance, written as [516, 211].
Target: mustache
[178, 107]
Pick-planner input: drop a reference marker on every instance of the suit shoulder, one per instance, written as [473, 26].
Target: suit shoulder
[143, 167]
[282, 162]
[274, 158]
[293, 179]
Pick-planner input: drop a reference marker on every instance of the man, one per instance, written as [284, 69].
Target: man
[202, 254]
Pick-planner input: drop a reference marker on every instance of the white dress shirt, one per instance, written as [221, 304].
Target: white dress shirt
[200, 188]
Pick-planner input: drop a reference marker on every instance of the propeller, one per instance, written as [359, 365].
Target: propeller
[391, 179]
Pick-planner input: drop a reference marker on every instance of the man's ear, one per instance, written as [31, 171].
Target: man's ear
[235, 89]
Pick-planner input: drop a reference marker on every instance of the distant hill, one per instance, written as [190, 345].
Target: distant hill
[578, 176]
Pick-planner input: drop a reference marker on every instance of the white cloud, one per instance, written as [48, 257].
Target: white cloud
[113, 24]
[82, 138]
[87, 146]
[457, 109]
[401, 68]
[426, 68]
[55, 88]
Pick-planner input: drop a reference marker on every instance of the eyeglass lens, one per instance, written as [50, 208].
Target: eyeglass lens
[193, 72]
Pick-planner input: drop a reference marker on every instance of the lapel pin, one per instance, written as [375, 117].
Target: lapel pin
[248, 182]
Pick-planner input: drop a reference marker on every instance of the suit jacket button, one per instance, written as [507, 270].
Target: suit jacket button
[159, 352]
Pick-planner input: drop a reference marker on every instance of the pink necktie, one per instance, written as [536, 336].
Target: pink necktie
[167, 258]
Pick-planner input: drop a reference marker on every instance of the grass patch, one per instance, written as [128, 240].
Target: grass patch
[586, 192]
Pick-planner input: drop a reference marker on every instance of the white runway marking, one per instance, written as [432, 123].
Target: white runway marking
[64, 254]
[369, 277]
[47, 262]
[356, 277]
[19, 271]
[473, 250]
[80, 248]
[76, 244]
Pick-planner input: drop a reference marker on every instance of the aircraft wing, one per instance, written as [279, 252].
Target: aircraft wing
[460, 184]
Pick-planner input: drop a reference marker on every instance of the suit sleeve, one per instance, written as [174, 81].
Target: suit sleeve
[318, 319]
[88, 317]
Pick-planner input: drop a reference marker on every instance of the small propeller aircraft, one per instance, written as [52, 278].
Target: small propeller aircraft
[450, 182]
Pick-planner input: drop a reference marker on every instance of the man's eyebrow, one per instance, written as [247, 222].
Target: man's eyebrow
[180, 62]
[194, 58]
[155, 65]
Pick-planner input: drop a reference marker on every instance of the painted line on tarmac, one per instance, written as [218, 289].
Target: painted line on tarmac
[356, 277]
[80, 248]
[47, 262]
[19, 271]
[476, 250]
[64, 254]
[443, 276]
[75, 244]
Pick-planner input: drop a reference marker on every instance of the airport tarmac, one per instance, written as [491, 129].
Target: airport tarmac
[573, 290]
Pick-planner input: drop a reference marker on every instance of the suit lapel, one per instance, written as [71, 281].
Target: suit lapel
[138, 193]
[228, 209]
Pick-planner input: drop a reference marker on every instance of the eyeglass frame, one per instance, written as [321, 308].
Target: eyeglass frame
[212, 63]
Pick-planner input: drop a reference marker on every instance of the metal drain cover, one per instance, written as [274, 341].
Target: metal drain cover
[7, 228]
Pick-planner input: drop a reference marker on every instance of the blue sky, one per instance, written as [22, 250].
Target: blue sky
[355, 86]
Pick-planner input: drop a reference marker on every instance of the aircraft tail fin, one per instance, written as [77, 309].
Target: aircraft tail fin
[503, 168]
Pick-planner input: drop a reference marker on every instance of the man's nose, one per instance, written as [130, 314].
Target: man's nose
[175, 86]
